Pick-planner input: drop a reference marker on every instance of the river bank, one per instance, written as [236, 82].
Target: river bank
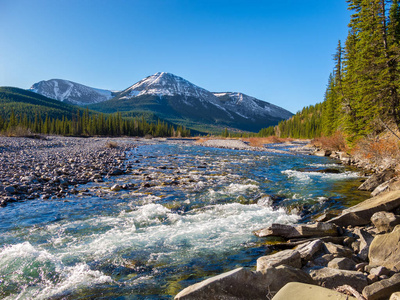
[51, 166]
[179, 213]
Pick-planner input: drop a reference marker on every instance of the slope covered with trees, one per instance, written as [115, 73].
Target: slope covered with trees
[38, 114]
[362, 95]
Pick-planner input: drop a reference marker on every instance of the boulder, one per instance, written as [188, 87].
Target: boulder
[385, 250]
[339, 250]
[395, 296]
[309, 249]
[237, 284]
[244, 284]
[385, 221]
[382, 289]
[376, 179]
[299, 231]
[296, 291]
[286, 257]
[322, 152]
[332, 278]
[361, 213]
[342, 263]
[391, 185]
[365, 240]
[116, 188]
[379, 271]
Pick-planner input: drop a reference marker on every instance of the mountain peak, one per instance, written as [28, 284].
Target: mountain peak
[71, 92]
[166, 84]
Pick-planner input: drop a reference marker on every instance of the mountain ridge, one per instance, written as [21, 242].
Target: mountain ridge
[176, 99]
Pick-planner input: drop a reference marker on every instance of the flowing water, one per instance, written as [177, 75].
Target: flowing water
[190, 216]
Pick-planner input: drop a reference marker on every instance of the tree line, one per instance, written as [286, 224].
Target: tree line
[83, 123]
[362, 94]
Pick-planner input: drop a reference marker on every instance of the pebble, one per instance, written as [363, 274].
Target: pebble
[47, 168]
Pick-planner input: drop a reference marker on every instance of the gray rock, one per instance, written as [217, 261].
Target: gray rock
[332, 278]
[298, 291]
[376, 179]
[116, 188]
[286, 257]
[379, 271]
[290, 232]
[385, 250]
[339, 250]
[342, 263]
[308, 250]
[385, 221]
[244, 284]
[9, 189]
[365, 239]
[361, 213]
[322, 152]
[382, 289]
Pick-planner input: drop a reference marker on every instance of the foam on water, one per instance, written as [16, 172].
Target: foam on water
[309, 176]
[35, 273]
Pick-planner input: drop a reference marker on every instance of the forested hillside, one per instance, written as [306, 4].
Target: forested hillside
[362, 95]
[24, 111]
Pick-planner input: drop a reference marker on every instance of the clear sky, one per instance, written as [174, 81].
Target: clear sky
[279, 51]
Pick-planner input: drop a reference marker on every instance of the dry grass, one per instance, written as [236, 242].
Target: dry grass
[261, 141]
[336, 142]
[381, 152]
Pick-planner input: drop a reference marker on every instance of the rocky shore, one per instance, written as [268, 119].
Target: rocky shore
[52, 166]
[355, 255]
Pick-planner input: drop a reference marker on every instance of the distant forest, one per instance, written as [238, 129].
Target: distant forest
[362, 95]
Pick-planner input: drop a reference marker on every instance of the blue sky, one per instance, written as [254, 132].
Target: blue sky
[278, 51]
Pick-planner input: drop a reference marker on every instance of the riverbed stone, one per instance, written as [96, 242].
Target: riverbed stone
[361, 213]
[322, 152]
[317, 229]
[342, 263]
[244, 284]
[376, 179]
[339, 250]
[385, 221]
[385, 250]
[395, 296]
[381, 290]
[296, 291]
[333, 278]
[286, 257]
[364, 240]
[309, 250]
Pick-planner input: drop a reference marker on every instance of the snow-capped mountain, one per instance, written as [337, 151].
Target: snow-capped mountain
[250, 107]
[71, 92]
[178, 100]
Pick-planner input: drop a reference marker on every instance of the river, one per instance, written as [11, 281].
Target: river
[191, 215]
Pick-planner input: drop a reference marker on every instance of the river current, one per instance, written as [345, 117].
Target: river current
[190, 216]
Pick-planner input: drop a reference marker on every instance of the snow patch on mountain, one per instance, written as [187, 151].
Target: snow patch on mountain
[71, 92]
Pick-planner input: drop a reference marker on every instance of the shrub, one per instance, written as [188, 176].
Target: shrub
[336, 142]
[381, 152]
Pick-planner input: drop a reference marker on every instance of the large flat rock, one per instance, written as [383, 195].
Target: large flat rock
[385, 250]
[361, 213]
[287, 257]
[333, 278]
[299, 231]
[245, 284]
[382, 290]
[297, 291]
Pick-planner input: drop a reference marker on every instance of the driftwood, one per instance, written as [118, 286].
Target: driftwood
[347, 289]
